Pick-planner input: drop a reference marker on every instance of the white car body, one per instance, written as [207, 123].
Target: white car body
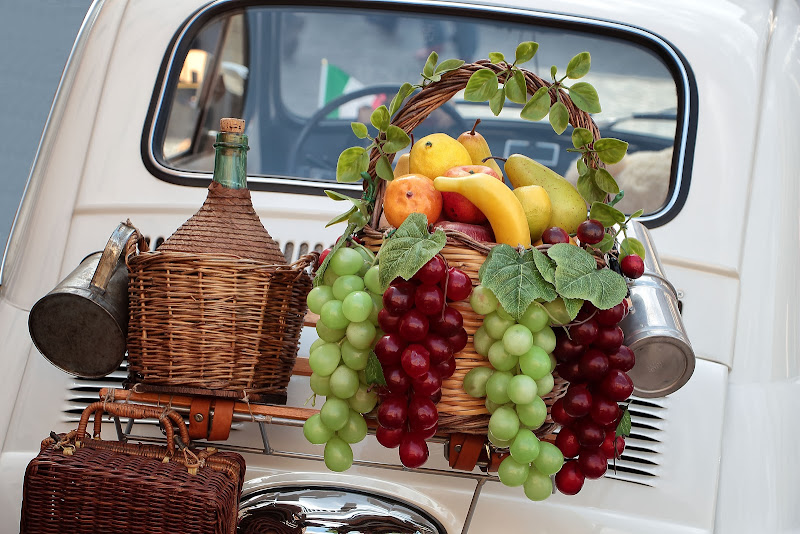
[723, 451]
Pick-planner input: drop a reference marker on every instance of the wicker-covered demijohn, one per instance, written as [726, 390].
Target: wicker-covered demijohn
[216, 310]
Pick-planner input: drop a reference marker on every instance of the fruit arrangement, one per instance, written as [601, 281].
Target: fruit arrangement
[504, 298]
[421, 335]
[348, 306]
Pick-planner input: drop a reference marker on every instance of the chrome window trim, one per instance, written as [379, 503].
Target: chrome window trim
[686, 93]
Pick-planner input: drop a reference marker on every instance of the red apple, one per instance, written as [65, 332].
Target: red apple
[456, 207]
[478, 232]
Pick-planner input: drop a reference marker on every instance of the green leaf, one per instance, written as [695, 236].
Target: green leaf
[637, 213]
[631, 245]
[384, 169]
[578, 66]
[514, 279]
[496, 57]
[516, 90]
[335, 195]
[585, 97]
[405, 90]
[607, 215]
[427, 70]
[606, 244]
[481, 86]
[380, 118]
[582, 167]
[553, 72]
[448, 65]
[606, 182]
[610, 150]
[546, 266]
[559, 117]
[588, 189]
[617, 198]
[525, 51]
[537, 107]
[374, 371]
[352, 162]
[497, 101]
[434, 77]
[577, 277]
[409, 248]
[359, 129]
[396, 139]
[624, 426]
[581, 137]
[573, 306]
[342, 217]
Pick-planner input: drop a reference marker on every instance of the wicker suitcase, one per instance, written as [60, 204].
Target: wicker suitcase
[79, 484]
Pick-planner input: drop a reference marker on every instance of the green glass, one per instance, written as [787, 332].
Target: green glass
[230, 161]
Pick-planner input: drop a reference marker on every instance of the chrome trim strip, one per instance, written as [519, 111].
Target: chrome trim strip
[520, 12]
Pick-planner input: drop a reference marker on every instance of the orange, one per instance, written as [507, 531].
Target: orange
[411, 193]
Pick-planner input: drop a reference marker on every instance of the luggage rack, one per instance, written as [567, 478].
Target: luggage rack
[266, 415]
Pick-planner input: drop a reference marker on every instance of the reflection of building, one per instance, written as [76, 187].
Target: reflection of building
[194, 67]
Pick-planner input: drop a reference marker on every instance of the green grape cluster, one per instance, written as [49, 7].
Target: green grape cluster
[521, 373]
[347, 303]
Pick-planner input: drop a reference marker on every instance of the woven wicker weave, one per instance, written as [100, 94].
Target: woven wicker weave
[227, 224]
[459, 412]
[215, 325]
[106, 486]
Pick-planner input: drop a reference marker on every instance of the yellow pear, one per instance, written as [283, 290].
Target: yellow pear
[479, 149]
[568, 209]
[536, 205]
[432, 155]
[401, 168]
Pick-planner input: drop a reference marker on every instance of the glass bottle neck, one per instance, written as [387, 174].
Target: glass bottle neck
[230, 160]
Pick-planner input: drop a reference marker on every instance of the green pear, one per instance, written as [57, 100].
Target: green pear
[478, 149]
[568, 209]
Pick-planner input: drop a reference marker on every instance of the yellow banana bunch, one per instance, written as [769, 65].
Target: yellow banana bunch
[496, 201]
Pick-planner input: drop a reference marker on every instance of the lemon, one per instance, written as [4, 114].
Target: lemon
[432, 155]
[536, 205]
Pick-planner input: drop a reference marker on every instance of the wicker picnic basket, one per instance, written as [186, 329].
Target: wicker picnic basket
[458, 412]
[79, 483]
[216, 310]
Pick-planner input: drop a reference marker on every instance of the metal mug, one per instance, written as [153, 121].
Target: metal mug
[81, 325]
[654, 329]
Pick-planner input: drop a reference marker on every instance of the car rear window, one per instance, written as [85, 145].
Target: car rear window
[280, 68]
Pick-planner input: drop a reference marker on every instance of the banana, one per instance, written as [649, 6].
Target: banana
[496, 201]
[568, 206]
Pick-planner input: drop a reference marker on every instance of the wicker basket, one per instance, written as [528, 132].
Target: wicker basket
[215, 324]
[78, 484]
[458, 412]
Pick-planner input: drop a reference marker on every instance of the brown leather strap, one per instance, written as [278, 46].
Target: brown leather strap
[495, 459]
[199, 415]
[465, 450]
[221, 422]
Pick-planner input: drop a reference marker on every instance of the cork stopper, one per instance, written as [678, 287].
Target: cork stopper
[231, 125]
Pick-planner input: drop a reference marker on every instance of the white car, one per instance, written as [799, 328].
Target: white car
[709, 87]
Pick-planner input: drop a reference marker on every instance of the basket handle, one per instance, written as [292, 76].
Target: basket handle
[419, 106]
[134, 411]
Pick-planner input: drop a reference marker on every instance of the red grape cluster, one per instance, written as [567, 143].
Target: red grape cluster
[417, 352]
[592, 358]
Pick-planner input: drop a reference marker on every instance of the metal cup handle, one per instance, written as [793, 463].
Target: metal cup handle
[111, 256]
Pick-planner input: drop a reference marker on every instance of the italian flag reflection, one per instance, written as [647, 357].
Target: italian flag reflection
[335, 82]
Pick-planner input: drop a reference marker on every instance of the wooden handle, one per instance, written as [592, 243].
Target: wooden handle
[135, 411]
